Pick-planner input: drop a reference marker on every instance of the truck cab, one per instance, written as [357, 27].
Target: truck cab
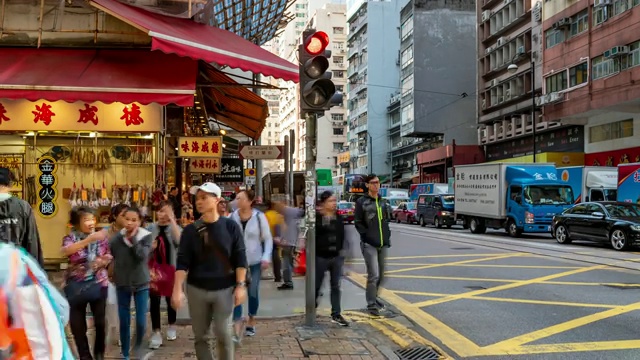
[534, 197]
[591, 183]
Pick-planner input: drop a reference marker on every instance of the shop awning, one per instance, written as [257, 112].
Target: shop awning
[125, 76]
[197, 41]
[232, 103]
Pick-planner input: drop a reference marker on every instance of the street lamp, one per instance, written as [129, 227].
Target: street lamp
[512, 68]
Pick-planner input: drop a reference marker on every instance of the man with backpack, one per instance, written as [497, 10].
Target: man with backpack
[17, 221]
[212, 260]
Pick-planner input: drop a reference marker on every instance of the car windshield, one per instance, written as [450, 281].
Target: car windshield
[345, 206]
[623, 210]
[548, 195]
[449, 199]
[396, 202]
[411, 206]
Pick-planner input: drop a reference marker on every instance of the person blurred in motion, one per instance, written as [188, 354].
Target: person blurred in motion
[213, 262]
[276, 224]
[330, 241]
[87, 280]
[117, 222]
[288, 241]
[17, 220]
[130, 249]
[176, 201]
[372, 216]
[166, 236]
[223, 207]
[259, 246]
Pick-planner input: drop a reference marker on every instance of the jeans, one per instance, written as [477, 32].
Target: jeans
[141, 301]
[154, 310]
[276, 260]
[288, 253]
[205, 306]
[253, 293]
[374, 260]
[334, 266]
[78, 324]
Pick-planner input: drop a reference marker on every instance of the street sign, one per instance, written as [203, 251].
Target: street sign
[250, 180]
[262, 152]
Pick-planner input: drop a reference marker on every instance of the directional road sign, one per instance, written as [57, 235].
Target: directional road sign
[262, 152]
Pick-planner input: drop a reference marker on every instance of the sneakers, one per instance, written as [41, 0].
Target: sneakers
[172, 333]
[156, 340]
[380, 304]
[250, 331]
[285, 286]
[373, 311]
[142, 354]
[338, 319]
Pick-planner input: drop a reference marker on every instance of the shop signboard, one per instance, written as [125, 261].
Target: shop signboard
[629, 183]
[569, 139]
[344, 157]
[205, 165]
[24, 115]
[47, 181]
[232, 170]
[200, 147]
[613, 158]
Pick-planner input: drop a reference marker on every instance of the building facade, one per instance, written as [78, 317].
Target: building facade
[436, 106]
[373, 79]
[591, 72]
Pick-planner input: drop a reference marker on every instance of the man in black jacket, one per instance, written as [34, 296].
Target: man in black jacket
[372, 215]
[17, 221]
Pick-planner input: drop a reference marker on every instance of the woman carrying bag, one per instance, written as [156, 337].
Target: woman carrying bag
[86, 280]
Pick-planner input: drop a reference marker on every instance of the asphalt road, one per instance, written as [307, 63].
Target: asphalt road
[493, 297]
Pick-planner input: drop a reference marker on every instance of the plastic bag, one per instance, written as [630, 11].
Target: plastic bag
[112, 299]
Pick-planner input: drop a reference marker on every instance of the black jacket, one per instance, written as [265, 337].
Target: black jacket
[374, 230]
[18, 226]
[329, 237]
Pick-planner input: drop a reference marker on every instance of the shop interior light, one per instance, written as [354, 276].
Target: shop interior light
[223, 132]
[224, 145]
[92, 134]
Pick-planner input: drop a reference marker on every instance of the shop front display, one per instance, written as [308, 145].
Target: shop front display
[64, 154]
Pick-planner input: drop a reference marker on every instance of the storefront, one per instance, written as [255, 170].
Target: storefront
[437, 165]
[613, 158]
[563, 146]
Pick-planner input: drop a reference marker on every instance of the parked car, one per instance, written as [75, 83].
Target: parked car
[437, 210]
[406, 212]
[617, 223]
[346, 210]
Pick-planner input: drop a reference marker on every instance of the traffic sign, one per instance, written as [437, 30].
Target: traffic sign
[262, 152]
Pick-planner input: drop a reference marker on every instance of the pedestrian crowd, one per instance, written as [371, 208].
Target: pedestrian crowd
[209, 253]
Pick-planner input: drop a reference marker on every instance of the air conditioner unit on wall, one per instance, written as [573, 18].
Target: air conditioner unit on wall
[486, 15]
[599, 3]
[564, 22]
[520, 50]
[500, 41]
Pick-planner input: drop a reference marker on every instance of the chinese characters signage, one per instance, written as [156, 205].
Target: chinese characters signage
[47, 193]
[24, 115]
[477, 190]
[200, 147]
[232, 171]
[344, 157]
[613, 158]
[570, 139]
[629, 183]
[206, 165]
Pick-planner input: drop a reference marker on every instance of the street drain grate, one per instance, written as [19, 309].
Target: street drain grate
[417, 353]
[462, 248]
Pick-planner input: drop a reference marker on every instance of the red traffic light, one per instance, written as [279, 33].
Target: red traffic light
[316, 43]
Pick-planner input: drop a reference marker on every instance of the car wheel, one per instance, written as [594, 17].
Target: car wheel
[398, 219]
[436, 222]
[619, 240]
[512, 228]
[422, 223]
[562, 235]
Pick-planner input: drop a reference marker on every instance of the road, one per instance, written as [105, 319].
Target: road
[494, 297]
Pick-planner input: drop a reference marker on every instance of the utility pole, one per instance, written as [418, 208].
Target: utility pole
[286, 156]
[292, 150]
[310, 220]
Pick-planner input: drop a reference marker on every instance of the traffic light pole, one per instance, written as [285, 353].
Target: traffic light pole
[310, 220]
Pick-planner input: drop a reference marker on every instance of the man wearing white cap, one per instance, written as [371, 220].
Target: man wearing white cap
[212, 259]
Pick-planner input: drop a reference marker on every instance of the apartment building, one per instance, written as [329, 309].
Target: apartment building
[332, 128]
[437, 70]
[591, 72]
[509, 32]
[373, 78]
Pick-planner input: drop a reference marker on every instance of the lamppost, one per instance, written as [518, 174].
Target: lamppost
[512, 69]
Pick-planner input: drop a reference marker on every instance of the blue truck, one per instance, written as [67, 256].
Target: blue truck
[591, 183]
[520, 198]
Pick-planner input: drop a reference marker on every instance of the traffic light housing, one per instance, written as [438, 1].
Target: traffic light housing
[317, 91]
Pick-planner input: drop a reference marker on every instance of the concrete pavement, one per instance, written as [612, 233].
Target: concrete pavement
[505, 298]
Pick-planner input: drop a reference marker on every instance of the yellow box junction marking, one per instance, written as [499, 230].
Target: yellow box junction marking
[431, 266]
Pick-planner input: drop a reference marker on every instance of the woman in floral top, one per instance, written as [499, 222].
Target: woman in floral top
[89, 256]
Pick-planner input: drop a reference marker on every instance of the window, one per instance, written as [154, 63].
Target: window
[337, 117]
[611, 131]
[338, 45]
[337, 146]
[301, 6]
[300, 15]
[300, 23]
[338, 30]
[601, 67]
[557, 82]
[407, 27]
[407, 85]
[338, 59]
[338, 131]
[620, 6]
[600, 14]
[553, 37]
[633, 59]
[580, 23]
[578, 75]
[340, 88]
[407, 56]
[338, 74]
